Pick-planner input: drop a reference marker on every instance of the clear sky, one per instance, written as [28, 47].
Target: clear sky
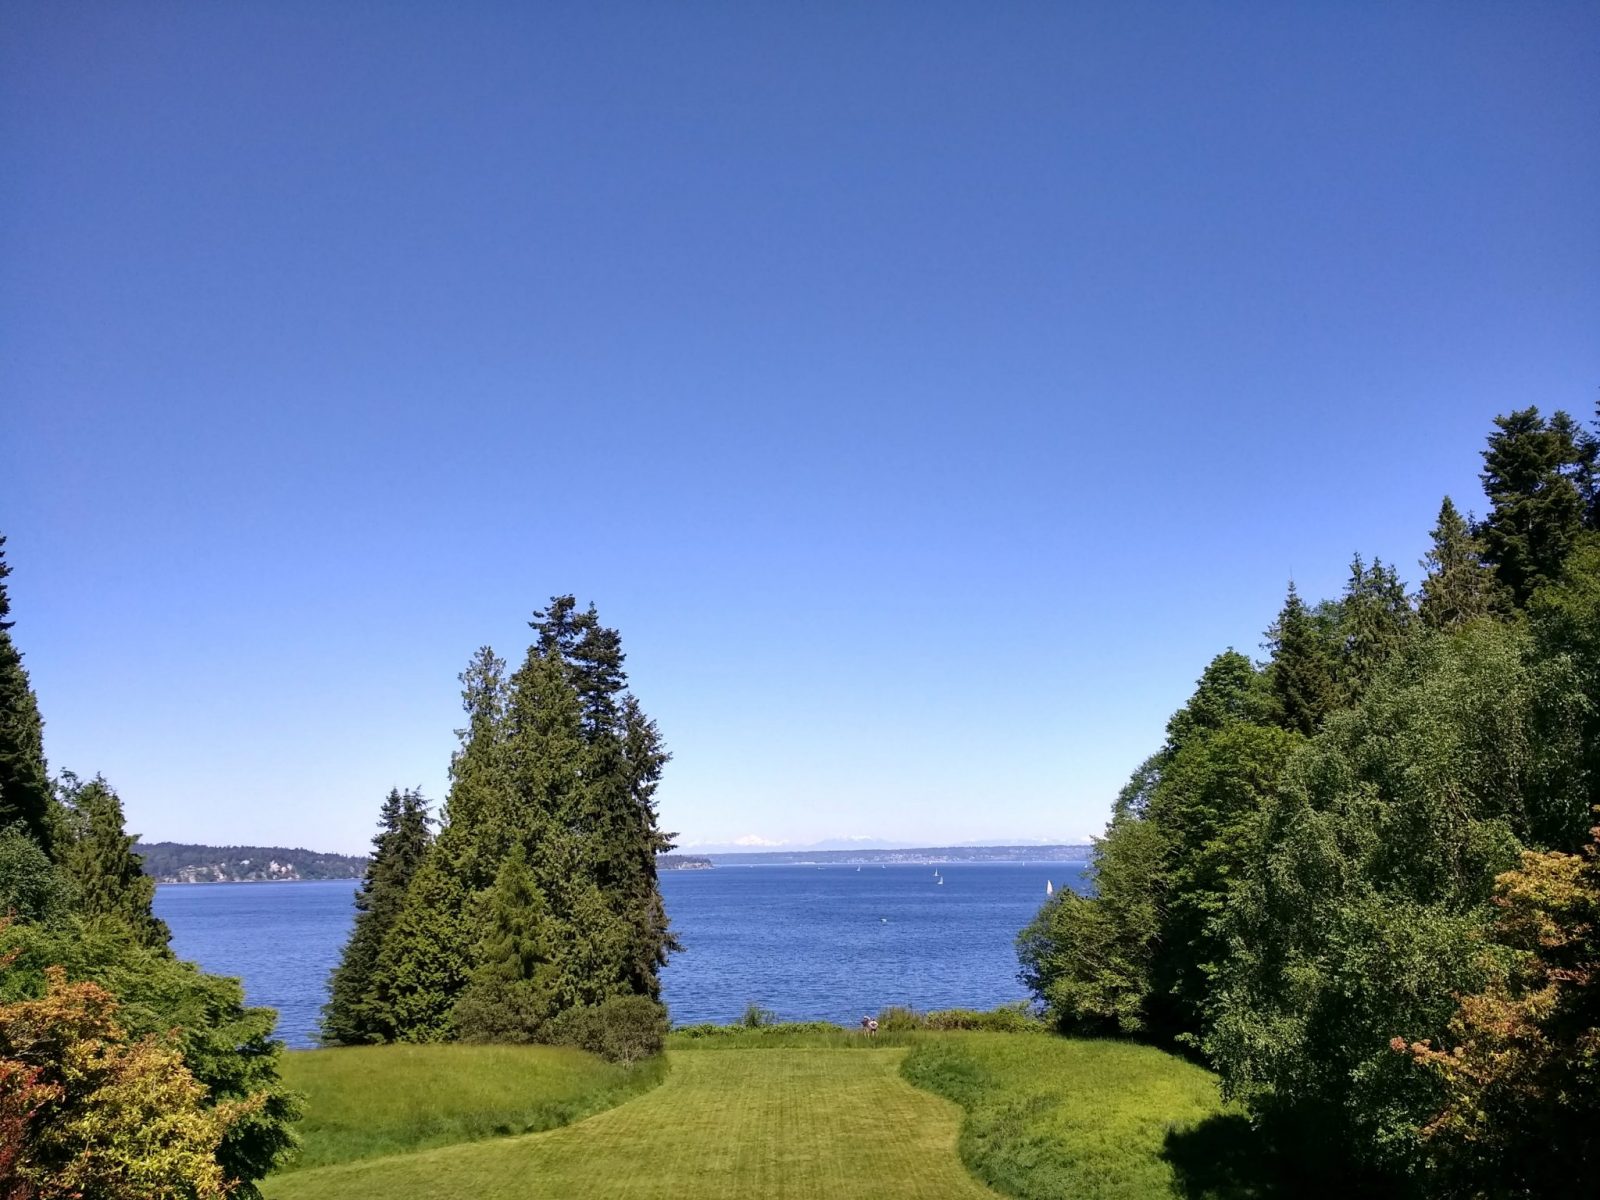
[926, 391]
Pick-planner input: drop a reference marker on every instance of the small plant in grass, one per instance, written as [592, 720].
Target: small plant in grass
[756, 1017]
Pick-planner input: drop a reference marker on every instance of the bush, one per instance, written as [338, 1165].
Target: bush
[622, 1029]
[1008, 1018]
[756, 1017]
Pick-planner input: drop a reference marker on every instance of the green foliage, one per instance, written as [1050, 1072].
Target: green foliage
[621, 1029]
[1088, 960]
[1520, 1070]
[512, 994]
[1358, 919]
[1459, 587]
[354, 1013]
[106, 877]
[105, 1115]
[226, 1046]
[557, 771]
[370, 1101]
[32, 888]
[24, 781]
[1304, 668]
[1540, 478]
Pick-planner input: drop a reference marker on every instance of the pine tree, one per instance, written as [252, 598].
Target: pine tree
[1459, 586]
[105, 874]
[512, 996]
[1304, 687]
[24, 781]
[1539, 476]
[352, 1014]
[426, 958]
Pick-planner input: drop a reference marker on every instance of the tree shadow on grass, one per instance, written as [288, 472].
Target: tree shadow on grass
[1226, 1158]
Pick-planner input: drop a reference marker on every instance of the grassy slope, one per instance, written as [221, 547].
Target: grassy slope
[367, 1101]
[726, 1125]
[1050, 1117]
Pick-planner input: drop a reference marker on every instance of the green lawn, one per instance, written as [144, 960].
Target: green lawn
[804, 1115]
[367, 1101]
[730, 1124]
[1050, 1117]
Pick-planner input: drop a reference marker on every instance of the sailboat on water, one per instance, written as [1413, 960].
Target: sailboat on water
[1049, 888]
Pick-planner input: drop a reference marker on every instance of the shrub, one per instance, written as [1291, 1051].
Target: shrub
[92, 1112]
[622, 1029]
[756, 1017]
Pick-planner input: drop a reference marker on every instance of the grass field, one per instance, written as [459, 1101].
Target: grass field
[367, 1101]
[1050, 1117]
[818, 1116]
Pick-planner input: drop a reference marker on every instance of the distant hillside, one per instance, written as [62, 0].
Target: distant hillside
[925, 854]
[175, 862]
[682, 862]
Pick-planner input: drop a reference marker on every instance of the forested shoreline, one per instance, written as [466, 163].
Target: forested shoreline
[1359, 878]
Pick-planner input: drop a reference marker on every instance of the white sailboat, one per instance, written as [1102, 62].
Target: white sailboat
[1049, 888]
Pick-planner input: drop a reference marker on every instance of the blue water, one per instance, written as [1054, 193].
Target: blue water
[811, 944]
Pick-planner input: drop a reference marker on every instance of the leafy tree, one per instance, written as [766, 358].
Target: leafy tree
[1566, 624]
[1520, 1063]
[1539, 475]
[1228, 691]
[103, 1114]
[1302, 671]
[512, 994]
[24, 782]
[1357, 919]
[352, 1014]
[1459, 586]
[1088, 959]
[106, 876]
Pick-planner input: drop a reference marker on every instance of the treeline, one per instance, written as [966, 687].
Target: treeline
[178, 862]
[125, 1072]
[534, 912]
[1359, 877]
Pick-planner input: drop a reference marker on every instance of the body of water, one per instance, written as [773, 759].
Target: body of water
[829, 943]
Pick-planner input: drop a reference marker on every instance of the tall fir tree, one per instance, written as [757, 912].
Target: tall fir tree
[512, 995]
[1375, 615]
[25, 797]
[1458, 587]
[1539, 476]
[353, 1013]
[105, 874]
[1302, 671]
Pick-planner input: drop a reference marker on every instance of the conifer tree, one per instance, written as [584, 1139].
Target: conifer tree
[512, 995]
[105, 874]
[353, 1014]
[1374, 618]
[24, 782]
[1459, 586]
[1539, 476]
[1302, 669]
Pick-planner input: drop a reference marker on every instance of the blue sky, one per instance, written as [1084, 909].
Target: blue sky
[926, 391]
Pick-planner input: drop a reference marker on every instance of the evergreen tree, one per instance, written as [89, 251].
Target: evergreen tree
[352, 1014]
[512, 996]
[1539, 476]
[427, 957]
[1304, 686]
[105, 874]
[1459, 587]
[24, 781]
[1374, 617]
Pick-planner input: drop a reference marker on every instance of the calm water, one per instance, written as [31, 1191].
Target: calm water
[826, 944]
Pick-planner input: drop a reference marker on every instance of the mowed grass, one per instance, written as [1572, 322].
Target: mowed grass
[367, 1101]
[1050, 1118]
[730, 1124]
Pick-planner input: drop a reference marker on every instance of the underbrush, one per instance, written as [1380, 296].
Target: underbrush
[762, 1027]
[368, 1101]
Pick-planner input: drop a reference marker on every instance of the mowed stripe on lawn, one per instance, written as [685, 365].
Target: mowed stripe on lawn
[788, 1124]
